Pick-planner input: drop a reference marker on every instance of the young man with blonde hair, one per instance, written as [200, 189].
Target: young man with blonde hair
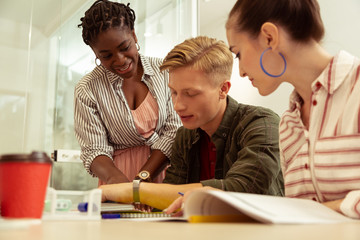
[222, 144]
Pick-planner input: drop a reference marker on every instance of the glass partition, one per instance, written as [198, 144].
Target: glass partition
[159, 26]
[43, 57]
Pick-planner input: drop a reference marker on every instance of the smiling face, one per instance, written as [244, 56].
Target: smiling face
[197, 100]
[248, 51]
[116, 49]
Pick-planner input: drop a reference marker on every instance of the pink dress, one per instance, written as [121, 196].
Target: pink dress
[130, 160]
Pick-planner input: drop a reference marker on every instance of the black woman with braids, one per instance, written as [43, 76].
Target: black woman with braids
[124, 117]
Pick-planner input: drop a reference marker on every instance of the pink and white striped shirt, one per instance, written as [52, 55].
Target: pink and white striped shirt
[323, 163]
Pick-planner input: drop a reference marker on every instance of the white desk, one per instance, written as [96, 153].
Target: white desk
[128, 230]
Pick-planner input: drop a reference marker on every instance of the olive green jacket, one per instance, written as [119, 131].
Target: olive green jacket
[247, 152]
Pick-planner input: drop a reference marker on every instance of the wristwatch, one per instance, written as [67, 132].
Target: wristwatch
[144, 176]
[136, 194]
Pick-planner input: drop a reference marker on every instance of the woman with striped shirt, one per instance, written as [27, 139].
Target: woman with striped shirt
[279, 41]
[124, 117]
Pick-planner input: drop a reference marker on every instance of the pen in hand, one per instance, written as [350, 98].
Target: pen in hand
[174, 206]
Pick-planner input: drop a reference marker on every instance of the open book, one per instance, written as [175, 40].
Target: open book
[215, 206]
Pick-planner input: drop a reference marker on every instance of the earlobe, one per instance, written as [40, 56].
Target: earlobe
[270, 33]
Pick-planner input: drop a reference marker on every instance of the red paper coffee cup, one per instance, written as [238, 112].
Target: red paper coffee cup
[23, 183]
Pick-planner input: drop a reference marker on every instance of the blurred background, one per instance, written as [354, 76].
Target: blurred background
[43, 57]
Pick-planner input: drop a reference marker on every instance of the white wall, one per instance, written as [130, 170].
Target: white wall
[26, 76]
[341, 20]
[23, 86]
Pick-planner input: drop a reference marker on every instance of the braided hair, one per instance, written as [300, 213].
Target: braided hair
[104, 14]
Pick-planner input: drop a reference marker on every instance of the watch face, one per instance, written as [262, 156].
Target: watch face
[144, 174]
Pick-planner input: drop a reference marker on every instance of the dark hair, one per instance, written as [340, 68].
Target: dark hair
[104, 14]
[301, 18]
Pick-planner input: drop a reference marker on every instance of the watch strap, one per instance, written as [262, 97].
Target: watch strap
[136, 193]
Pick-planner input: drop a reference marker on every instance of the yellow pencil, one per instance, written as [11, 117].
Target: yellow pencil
[220, 218]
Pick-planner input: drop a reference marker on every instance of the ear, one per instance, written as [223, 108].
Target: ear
[134, 36]
[96, 56]
[224, 89]
[270, 34]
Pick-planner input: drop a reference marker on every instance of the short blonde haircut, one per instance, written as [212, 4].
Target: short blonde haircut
[202, 53]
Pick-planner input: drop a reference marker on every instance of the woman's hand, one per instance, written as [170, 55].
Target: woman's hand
[334, 205]
[104, 168]
[142, 207]
[118, 178]
[121, 192]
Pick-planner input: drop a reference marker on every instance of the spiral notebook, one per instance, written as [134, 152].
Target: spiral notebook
[110, 210]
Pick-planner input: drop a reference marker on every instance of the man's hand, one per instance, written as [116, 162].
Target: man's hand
[177, 207]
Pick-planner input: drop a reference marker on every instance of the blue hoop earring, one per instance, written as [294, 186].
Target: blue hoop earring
[266, 72]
